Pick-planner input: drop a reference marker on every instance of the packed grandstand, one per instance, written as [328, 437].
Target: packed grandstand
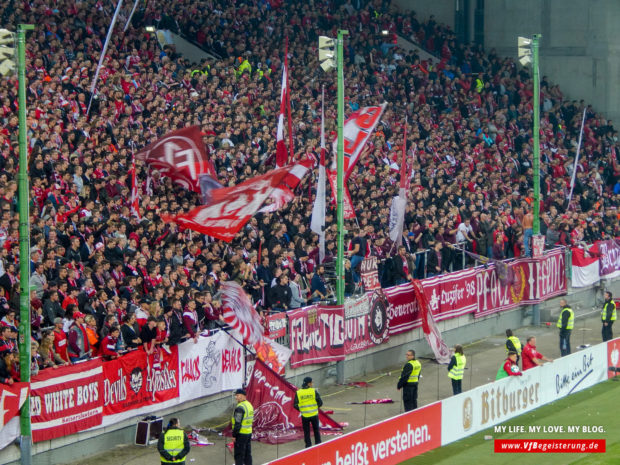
[469, 118]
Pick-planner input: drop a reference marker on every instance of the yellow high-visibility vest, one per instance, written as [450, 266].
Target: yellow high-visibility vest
[515, 342]
[174, 441]
[571, 318]
[457, 370]
[307, 402]
[248, 417]
[416, 367]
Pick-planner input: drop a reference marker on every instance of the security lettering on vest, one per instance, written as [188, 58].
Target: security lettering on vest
[307, 402]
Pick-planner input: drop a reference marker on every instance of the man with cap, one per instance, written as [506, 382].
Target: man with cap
[242, 419]
[79, 347]
[308, 401]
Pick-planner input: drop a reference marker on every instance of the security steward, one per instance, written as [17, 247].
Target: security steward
[408, 381]
[513, 344]
[566, 322]
[173, 444]
[456, 369]
[242, 419]
[308, 401]
[608, 316]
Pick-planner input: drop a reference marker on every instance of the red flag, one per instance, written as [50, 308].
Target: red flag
[11, 400]
[357, 130]
[429, 327]
[347, 204]
[180, 155]
[239, 313]
[281, 154]
[275, 419]
[135, 196]
[230, 208]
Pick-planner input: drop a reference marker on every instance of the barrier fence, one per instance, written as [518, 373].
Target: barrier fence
[96, 393]
[410, 434]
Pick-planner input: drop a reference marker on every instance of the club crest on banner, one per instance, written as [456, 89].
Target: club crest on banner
[378, 322]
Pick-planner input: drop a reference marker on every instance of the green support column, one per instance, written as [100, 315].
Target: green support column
[24, 245]
[340, 186]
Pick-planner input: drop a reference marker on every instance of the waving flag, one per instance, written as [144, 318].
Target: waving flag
[230, 208]
[357, 130]
[181, 156]
[318, 211]
[281, 154]
[239, 313]
[429, 327]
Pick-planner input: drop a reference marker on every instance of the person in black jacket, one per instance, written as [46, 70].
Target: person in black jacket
[281, 294]
[402, 266]
[6, 361]
[435, 263]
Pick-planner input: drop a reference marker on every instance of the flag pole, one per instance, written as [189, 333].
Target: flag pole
[574, 175]
[288, 108]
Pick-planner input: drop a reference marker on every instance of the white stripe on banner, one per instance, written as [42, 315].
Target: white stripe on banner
[66, 378]
[69, 419]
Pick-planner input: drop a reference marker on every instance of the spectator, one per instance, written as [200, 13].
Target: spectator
[7, 373]
[60, 340]
[109, 344]
[318, 291]
[129, 332]
[78, 344]
[48, 354]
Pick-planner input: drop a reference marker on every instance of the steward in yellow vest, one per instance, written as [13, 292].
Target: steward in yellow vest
[408, 381]
[173, 444]
[566, 322]
[456, 369]
[242, 419]
[308, 401]
[608, 316]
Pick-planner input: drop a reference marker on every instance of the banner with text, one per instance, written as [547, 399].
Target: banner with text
[66, 400]
[610, 258]
[214, 364]
[135, 380]
[388, 442]
[316, 335]
[451, 295]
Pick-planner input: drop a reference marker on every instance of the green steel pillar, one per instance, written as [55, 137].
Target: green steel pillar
[340, 186]
[24, 245]
[340, 171]
[536, 134]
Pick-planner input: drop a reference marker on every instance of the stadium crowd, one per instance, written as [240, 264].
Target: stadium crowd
[104, 280]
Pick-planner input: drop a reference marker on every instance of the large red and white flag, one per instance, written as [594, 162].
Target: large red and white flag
[135, 195]
[181, 156]
[230, 208]
[585, 270]
[12, 398]
[275, 419]
[357, 130]
[281, 153]
[317, 223]
[429, 327]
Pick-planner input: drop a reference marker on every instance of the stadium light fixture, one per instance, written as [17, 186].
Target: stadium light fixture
[7, 52]
[327, 53]
[524, 47]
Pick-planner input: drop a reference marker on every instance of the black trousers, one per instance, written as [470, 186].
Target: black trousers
[305, 423]
[410, 396]
[607, 331]
[565, 342]
[243, 449]
[457, 387]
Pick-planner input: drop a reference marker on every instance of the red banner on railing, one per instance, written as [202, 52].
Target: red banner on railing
[610, 259]
[451, 295]
[135, 380]
[316, 335]
[276, 325]
[66, 400]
